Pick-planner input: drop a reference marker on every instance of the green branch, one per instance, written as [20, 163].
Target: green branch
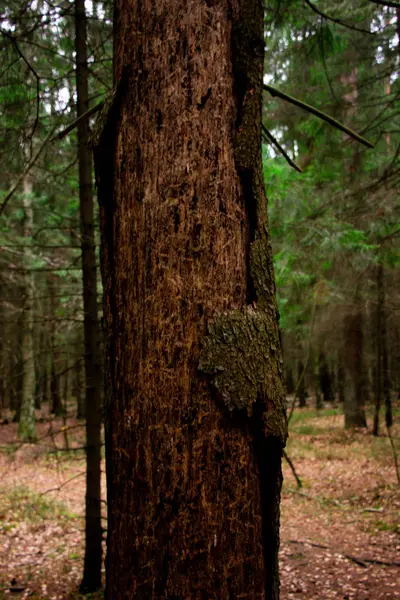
[334, 20]
[318, 113]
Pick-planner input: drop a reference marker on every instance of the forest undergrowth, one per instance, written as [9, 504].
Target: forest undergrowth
[339, 531]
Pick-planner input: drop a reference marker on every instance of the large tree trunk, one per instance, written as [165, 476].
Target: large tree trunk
[353, 368]
[93, 552]
[193, 488]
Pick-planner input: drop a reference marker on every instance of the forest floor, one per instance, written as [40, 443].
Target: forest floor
[339, 532]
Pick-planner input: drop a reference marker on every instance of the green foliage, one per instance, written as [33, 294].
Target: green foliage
[332, 223]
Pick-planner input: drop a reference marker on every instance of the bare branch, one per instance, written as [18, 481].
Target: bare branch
[274, 141]
[89, 113]
[26, 171]
[318, 113]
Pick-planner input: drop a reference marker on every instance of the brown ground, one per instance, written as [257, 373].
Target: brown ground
[340, 531]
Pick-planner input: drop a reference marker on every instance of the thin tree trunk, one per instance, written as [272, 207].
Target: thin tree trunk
[325, 378]
[317, 384]
[55, 396]
[91, 580]
[193, 488]
[378, 367]
[385, 362]
[354, 386]
[26, 425]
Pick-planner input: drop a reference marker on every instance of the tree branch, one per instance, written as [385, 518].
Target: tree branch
[334, 20]
[274, 141]
[25, 172]
[89, 113]
[291, 465]
[318, 113]
[386, 3]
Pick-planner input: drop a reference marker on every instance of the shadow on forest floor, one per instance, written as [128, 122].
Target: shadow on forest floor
[339, 535]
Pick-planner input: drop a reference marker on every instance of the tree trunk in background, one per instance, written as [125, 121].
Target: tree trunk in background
[289, 381]
[315, 362]
[301, 389]
[325, 378]
[340, 378]
[193, 488]
[93, 535]
[385, 362]
[26, 425]
[378, 340]
[56, 406]
[17, 370]
[353, 368]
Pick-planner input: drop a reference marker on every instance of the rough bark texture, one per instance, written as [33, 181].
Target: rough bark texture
[353, 368]
[193, 488]
[93, 376]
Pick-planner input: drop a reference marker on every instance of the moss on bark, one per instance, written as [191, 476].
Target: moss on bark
[242, 355]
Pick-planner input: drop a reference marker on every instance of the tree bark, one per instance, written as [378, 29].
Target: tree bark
[193, 488]
[93, 552]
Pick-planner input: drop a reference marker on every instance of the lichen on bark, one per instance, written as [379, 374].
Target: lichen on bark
[242, 355]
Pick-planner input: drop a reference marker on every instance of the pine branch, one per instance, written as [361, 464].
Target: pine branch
[318, 113]
[334, 20]
[275, 142]
[386, 3]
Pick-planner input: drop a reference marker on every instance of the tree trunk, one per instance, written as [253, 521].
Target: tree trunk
[55, 396]
[325, 378]
[93, 552]
[193, 488]
[315, 361]
[353, 368]
[26, 425]
[378, 339]
[385, 360]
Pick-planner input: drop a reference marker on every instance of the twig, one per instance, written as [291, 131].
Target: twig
[360, 561]
[334, 20]
[396, 463]
[274, 141]
[89, 113]
[318, 113]
[57, 489]
[290, 463]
